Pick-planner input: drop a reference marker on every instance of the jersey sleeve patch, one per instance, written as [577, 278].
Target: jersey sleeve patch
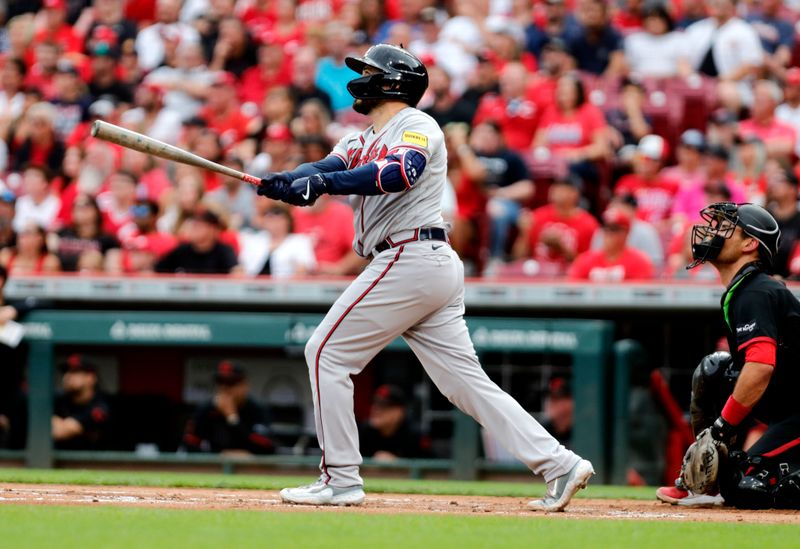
[415, 138]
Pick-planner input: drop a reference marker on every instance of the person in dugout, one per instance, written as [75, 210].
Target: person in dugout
[733, 393]
[81, 413]
[388, 434]
[232, 422]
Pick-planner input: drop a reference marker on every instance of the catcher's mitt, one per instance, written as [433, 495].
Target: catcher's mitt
[700, 467]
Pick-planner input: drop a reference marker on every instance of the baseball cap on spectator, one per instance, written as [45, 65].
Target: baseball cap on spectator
[207, 216]
[718, 151]
[693, 139]
[55, 4]
[653, 147]
[793, 77]
[76, 362]
[559, 387]
[615, 218]
[229, 373]
[389, 395]
[721, 117]
[278, 132]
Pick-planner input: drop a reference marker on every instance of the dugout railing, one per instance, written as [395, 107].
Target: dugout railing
[589, 343]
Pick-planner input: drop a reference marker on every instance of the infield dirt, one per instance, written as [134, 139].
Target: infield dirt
[204, 498]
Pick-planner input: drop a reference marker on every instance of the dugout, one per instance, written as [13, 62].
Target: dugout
[587, 343]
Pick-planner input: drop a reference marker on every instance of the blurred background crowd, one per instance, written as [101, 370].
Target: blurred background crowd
[583, 136]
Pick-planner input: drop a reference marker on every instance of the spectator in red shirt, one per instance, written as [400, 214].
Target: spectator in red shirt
[616, 261]
[116, 204]
[329, 224]
[223, 113]
[144, 245]
[30, 255]
[572, 130]
[154, 183]
[56, 29]
[654, 194]
[43, 69]
[271, 70]
[555, 62]
[511, 109]
[553, 235]
[779, 137]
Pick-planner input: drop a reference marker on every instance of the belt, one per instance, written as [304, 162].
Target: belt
[425, 233]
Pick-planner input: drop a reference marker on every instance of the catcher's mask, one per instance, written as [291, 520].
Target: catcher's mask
[721, 219]
[401, 77]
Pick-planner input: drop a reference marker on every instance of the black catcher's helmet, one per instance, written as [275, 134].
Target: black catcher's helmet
[402, 77]
[722, 219]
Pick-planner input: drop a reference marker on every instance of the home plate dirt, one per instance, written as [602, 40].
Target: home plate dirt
[262, 500]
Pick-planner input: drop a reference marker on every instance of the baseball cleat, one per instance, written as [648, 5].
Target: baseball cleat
[561, 490]
[320, 493]
[671, 494]
[686, 498]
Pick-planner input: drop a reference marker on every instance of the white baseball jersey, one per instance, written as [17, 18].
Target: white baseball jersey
[377, 217]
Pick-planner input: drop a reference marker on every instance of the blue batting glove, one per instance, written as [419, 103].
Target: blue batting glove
[306, 190]
[275, 186]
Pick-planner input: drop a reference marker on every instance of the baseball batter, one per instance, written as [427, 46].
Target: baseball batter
[395, 173]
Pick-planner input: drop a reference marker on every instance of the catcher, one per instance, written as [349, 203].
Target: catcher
[755, 383]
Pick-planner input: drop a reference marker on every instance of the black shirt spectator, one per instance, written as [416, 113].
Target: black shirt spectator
[204, 253]
[84, 236]
[232, 420]
[594, 42]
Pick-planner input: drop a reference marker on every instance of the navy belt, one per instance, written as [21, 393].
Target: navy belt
[426, 233]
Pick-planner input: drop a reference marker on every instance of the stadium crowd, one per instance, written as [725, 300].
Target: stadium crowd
[583, 136]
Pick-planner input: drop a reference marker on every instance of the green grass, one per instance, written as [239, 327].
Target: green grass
[274, 482]
[118, 527]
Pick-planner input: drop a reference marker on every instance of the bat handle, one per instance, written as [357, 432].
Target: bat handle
[253, 180]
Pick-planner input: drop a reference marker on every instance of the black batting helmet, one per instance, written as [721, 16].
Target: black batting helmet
[402, 76]
[722, 219]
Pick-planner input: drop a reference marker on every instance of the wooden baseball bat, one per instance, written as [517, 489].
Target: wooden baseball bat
[138, 142]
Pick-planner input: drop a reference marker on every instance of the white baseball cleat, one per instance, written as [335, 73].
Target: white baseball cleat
[561, 490]
[320, 493]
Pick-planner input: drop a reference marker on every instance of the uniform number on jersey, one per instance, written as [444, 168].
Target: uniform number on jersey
[415, 138]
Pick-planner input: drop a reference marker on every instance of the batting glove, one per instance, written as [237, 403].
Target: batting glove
[306, 190]
[275, 186]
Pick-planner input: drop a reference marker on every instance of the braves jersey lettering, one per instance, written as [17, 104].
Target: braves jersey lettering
[377, 217]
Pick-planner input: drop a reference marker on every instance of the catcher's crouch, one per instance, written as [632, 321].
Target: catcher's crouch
[756, 382]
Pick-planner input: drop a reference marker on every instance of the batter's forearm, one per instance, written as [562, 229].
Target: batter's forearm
[331, 163]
